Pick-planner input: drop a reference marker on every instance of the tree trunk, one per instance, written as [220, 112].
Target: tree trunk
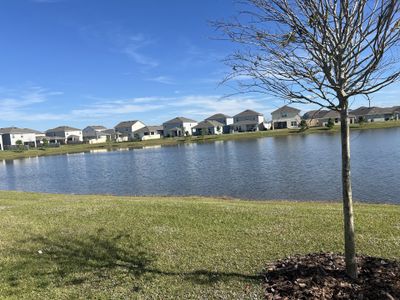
[349, 236]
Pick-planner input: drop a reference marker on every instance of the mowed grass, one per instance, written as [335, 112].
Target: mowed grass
[107, 247]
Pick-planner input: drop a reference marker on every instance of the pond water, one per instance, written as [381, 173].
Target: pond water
[291, 167]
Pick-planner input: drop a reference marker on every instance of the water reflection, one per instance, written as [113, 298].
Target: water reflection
[294, 167]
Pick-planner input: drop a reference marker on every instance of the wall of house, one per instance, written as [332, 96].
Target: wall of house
[257, 119]
[98, 140]
[10, 139]
[187, 127]
[288, 118]
[1, 142]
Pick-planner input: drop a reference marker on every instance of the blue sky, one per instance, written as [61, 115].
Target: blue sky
[89, 62]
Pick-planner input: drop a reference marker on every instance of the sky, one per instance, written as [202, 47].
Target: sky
[100, 62]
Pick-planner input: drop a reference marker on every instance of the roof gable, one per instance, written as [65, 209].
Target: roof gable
[248, 112]
[180, 120]
[287, 109]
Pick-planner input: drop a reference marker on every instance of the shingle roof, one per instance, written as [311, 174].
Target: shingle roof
[16, 130]
[98, 127]
[208, 124]
[127, 123]
[218, 116]
[248, 112]
[314, 114]
[63, 128]
[364, 111]
[286, 108]
[151, 128]
[180, 120]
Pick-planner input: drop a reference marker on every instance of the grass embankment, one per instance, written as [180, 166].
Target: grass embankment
[64, 149]
[107, 247]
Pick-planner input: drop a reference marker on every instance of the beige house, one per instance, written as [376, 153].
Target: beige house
[286, 117]
[208, 127]
[320, 118]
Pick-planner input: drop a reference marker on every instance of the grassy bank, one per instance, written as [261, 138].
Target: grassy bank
[106, 247]
[194, 139]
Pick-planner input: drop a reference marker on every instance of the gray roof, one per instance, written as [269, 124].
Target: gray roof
[109, 131]
[97, 127]
[218, 116]
[248, 112]
[16, 130]
[180, 120]
[364, 111]
[63, 128]
[151, 128]
[286, 108]
[314, 114]
[208, 124]
[127, 123]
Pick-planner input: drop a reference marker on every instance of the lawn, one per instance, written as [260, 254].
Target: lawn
[108, 247]
[191, 139]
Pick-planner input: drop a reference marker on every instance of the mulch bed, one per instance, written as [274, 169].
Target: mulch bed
[322, 276]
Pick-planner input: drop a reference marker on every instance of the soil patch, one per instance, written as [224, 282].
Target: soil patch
[322, 276]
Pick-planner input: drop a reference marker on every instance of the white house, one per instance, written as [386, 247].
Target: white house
[248, 120]
[179, 126]
[207, 127]
[65, 134]
[1, 142]
[149, 133]
[11, 135]
[128, 128]
[286, 117]
[227, 121]
[95, 134]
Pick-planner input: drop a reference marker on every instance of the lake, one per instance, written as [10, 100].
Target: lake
[303, 167]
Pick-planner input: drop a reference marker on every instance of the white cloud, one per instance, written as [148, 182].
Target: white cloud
[162, 79]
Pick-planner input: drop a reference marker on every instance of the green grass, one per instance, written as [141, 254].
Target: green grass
[194, 139]
[107, 247]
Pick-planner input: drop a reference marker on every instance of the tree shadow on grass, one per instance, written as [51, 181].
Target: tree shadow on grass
[74, 260]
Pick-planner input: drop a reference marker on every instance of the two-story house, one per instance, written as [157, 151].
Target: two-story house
[12, 136]
[129, 128]
[225, 120]
[65, 134]
[179, 126]
[96, 134]
[248, 120]
[286, 117]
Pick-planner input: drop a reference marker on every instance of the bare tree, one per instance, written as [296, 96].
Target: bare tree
[319, 52]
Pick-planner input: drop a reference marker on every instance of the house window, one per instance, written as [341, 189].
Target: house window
[294, 123]
[336, 120]
[284, 115]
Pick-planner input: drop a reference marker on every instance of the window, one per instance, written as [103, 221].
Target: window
[294, 123]
[284, 115]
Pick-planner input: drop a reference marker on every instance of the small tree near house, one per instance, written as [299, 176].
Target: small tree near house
[330, 123]
[321, 52]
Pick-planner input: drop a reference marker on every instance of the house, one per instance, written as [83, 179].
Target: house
[12, 136]
[248, 120]
[319, 118]
[64, 135]
[96, 134]
[227, 121]
[286, 117]
[376, 114]
[149, 133]
[207, 127]
[179, 126]
[128, 128]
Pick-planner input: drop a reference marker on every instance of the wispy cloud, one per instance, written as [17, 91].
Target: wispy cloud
[118, 39]
[162, 79]
[18, 104]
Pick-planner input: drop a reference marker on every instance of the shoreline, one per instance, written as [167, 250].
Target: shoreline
[214, 198]
[112, 146]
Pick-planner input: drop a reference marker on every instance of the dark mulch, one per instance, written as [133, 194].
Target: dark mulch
[322, 276]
